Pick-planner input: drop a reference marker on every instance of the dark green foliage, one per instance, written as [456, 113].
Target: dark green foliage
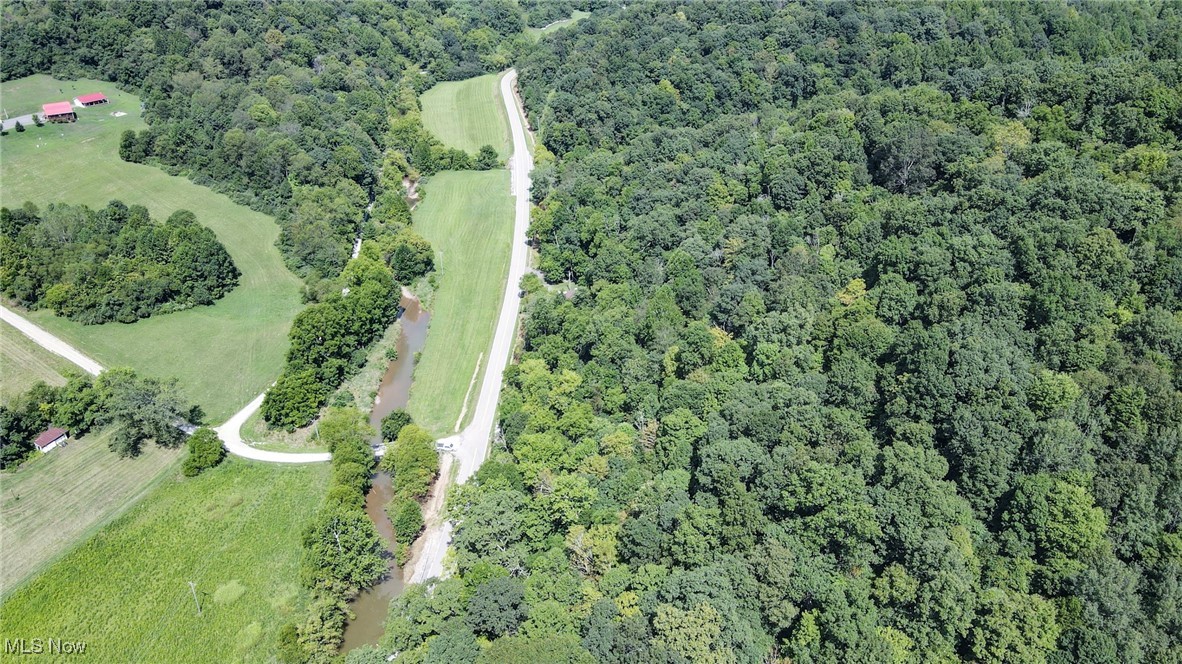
[408, 255]
[280, 107]
[486, 159]
[393, 423]
[18, 126]
[871, 350]
[341, 547]
[325, 338]
[497, 607]
[407, 518]
[75, 407]
[114, 264]
[205, 452]
[412, 462]
[140, 409]
[343, 553]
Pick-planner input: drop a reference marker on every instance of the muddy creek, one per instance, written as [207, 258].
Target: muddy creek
[371, 606]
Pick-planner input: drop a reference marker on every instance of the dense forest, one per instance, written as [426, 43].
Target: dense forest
[285, 106]
[875, 350]
[113, 264]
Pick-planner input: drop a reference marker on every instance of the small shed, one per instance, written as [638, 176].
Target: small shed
[58, 111]
[51, 438]
[92, 99]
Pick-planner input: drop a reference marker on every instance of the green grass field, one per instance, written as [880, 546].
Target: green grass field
[224, 355]
[468, 114]
[234, 531]
[24, 363]
[468, 217]
[575, 17]
[56, 499]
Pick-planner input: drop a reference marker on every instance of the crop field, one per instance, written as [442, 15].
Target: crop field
[468, 114]
[468, 217]
[575, 17]
[224, 355]
[56, 500]
[24, 363]
[234, 531]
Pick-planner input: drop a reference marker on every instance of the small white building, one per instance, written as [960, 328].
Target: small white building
[51, 438]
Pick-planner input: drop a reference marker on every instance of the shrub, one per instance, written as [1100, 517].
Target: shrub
[393, 423]
[205, 452]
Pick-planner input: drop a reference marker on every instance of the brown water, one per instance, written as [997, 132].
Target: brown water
[371, 606]
[394, 391]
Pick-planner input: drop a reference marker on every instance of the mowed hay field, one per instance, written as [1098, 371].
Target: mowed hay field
[224, 355]
[55, 500]
[24, 363]
[234, 531]
[468, 218]
[468, 114]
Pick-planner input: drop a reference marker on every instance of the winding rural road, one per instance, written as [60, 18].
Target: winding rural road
[471, 445]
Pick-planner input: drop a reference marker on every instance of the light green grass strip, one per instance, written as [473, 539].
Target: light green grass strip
[468, 218]
[234, 530]
[54, 500]
[24, 363]
[575, 17]
[223, 355]
[468, 114]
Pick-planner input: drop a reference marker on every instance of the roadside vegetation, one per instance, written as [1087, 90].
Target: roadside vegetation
[233, 531]
[222, 355]
[56, 500]
[468, 114]
[468, 218]
[874, 352]
[343, 553]
[23, 363]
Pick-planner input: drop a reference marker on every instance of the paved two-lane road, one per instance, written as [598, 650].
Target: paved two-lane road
[471, 445]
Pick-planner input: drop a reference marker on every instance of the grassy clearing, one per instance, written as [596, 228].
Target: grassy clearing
[234, 531]
[53, 501]
[223, 355]
[575, 17]
[468, 114]
[24, 363]
[468, 217]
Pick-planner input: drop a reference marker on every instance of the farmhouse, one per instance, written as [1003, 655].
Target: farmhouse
[92, 99]
[58, 111]
[50, 438]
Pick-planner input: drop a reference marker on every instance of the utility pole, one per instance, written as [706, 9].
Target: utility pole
[193, 588]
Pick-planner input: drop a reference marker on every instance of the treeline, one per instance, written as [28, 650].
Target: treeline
[138, 409]
[329, 339]
[875, 351]
[413, 465]
[343, 553]
[113, 264]
[287, 108]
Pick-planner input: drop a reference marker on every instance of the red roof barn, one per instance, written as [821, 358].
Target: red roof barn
[92, 99]
[59, 111]
[50, 438]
